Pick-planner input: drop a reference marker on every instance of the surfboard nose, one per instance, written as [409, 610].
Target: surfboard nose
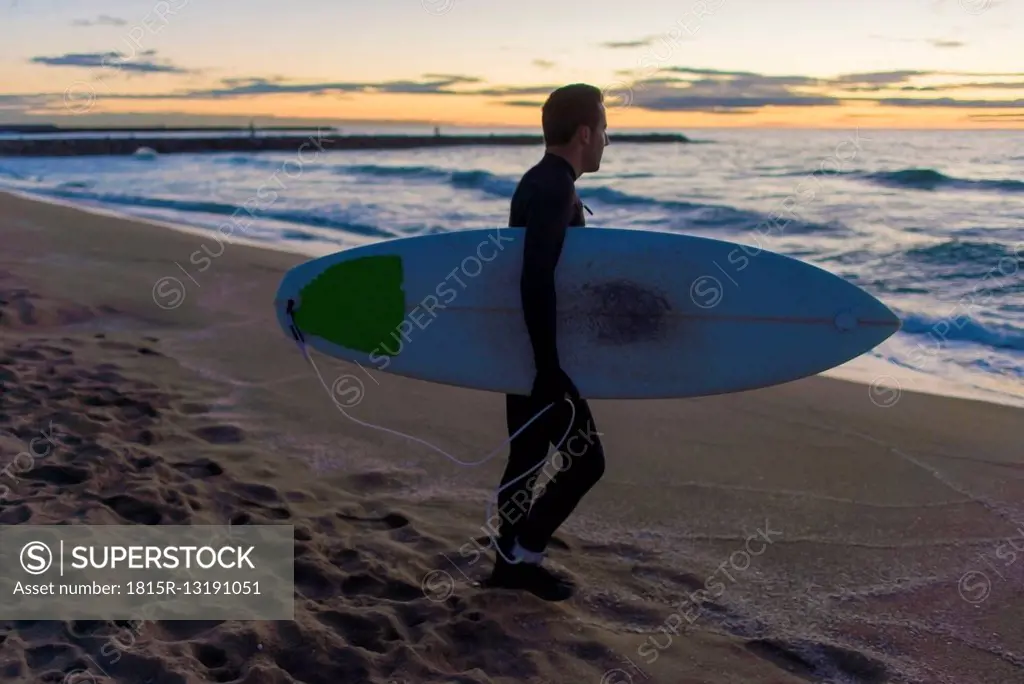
[881, 315]
[891, 318]
[869, 315]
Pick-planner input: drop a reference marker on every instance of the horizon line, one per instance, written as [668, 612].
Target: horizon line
[9, 127]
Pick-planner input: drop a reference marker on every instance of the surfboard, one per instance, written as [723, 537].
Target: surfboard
[641, 314]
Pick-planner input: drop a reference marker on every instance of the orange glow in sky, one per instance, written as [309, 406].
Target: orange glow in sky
[694, 63]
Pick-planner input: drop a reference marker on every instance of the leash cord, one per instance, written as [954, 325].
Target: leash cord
[301, 342]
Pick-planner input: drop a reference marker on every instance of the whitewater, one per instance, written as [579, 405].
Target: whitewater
[930, 222]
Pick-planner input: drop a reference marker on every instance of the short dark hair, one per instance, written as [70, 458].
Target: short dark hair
[568, 108]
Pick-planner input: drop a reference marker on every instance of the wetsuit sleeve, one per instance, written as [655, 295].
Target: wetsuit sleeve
[548, 216]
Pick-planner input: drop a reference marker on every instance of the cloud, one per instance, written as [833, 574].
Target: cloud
[511, 91]
[646, 41]
[677, 88]
[950, 102]
[738, 78]
[999, 118]
[20, 102]
[734, 112]
[716, 90]
[101, 20]
[934, 42]
[681, 88]
[543, 63]
[454, 78]
[236, 82]
[707, 103]
[521, 103]
[877, 77]
[101, 60]
[708, 72]
[973, 85]
[629, 44]
[438, 84]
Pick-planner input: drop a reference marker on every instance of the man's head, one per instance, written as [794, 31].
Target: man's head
[575, 125]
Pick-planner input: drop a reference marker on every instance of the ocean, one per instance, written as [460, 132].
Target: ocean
[930, 222]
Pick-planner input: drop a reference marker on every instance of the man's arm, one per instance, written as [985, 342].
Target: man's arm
[549, 213]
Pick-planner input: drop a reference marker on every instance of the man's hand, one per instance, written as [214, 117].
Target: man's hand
[552, 385]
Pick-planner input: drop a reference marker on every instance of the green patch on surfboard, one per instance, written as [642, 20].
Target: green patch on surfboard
[356, 304]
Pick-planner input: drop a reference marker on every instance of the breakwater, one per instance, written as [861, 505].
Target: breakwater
[121, 145]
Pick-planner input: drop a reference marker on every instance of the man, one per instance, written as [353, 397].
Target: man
[545, 204]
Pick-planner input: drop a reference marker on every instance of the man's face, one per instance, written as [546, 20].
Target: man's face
[594, 149]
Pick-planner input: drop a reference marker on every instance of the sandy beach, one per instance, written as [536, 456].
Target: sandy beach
[833, 536]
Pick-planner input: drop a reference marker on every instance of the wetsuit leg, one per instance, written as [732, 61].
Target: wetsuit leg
[580, 466]
[526, 451]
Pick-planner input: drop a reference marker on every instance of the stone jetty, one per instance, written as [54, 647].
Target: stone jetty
[126, 142]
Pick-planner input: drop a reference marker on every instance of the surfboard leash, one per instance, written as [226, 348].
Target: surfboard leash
[296, 333]
[300, 340]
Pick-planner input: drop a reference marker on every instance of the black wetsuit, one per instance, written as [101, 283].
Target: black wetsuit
[545, 203]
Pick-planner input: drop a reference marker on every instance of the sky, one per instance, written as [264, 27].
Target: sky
[663, 64]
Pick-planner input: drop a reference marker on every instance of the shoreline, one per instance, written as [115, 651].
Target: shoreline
[881, 380]
[69, 147]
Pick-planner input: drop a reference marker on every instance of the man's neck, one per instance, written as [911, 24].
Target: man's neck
[568, 158]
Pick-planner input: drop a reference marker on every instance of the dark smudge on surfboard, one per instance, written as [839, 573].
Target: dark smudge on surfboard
[623, 312]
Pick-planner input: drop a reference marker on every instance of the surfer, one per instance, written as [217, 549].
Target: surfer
[545, 203]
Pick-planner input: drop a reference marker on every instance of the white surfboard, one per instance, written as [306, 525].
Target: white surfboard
[641, 314]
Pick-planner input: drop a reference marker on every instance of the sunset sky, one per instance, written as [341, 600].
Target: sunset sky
[663, 63]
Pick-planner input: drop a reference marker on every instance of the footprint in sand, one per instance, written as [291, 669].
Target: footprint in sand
[200, 469]
[799, 658]
[373, 632]
[134, 510]
[390, 521]
[220, 434]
